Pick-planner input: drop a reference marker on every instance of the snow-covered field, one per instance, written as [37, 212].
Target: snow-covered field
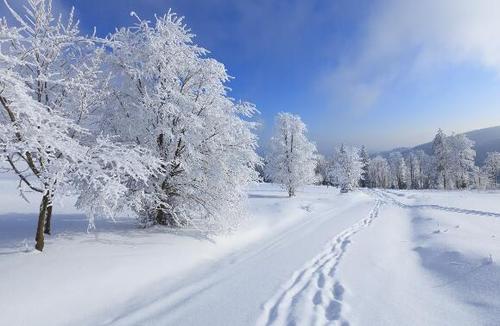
[370, 257]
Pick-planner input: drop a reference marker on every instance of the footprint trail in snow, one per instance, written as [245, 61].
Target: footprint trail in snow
[314, 295]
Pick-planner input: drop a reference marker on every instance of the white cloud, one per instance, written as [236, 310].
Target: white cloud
[403, 39]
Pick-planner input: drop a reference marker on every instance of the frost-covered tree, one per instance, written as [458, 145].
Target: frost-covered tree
[440, 149]
[171, 98]
[292, 157]
[393, 161]
[365, 163]
[379, 173]
[427, 171]
[461, 160]
[402, 174]
[454, 160]
[322, 169]
[491, 168]
[347, 168]
[48, 87]
[35, 142]
[44, 50]
[399, 173]
[414, 171]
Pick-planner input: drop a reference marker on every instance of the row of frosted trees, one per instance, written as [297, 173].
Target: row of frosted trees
[138, 120]
[293, 162]
[450, 166]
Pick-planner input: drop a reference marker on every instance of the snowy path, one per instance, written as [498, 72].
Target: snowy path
[396, 273]
[313, 296]
[232, 291]
[388, 197]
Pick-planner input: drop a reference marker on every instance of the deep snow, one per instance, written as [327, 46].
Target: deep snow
[364, 258]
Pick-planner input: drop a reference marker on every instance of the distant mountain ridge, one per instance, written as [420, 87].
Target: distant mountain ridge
[485, 140]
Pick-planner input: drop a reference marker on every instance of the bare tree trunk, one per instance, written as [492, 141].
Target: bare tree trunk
[162, 215]
[48, 219]
[291, 192]
[164, 218]
[39, 238]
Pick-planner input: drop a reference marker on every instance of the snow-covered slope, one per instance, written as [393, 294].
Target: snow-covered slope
[425, 263]
[363, 258]
[119, 274]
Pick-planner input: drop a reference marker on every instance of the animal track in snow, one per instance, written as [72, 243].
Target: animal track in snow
[314, 296]
[382, 195]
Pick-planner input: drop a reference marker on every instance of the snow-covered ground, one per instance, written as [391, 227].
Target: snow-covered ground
[363, 258]
[422, 264]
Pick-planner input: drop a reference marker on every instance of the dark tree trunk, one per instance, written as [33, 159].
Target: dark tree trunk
[39, 238]
[291, 192]
[165, 218]
[48, 219]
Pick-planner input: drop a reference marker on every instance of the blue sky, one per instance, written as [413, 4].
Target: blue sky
[383, 73]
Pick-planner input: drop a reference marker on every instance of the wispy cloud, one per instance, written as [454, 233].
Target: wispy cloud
[404, 39]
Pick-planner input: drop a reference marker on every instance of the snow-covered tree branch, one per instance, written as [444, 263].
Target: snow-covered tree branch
[171, 98]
